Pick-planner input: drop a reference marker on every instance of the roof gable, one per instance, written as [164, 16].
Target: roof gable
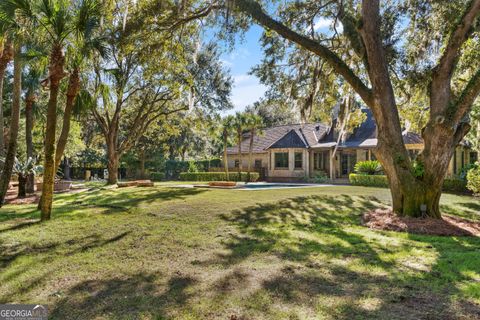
[290, 140]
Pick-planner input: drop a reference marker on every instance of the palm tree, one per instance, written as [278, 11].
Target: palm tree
[253, 123]
[240, 122]
[227, 125]
[87, 22]
[14, 25]
[23, 170]
[6, 55]
[59, 20]
[14, 124]
[32, 85]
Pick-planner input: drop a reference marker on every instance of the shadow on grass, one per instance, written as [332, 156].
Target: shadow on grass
[134, 297]
[268, 227]
[109, 201]
[326, 255]
[11, 253]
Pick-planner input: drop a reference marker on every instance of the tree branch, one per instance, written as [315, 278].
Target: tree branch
[466, 98]
[255, 11]
[442, 73]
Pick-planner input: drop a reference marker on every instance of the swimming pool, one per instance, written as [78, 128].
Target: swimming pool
[272, 185]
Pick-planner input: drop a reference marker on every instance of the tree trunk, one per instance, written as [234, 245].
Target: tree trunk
[22, 182]
[113, 161]
[112, 167]
[250, 153]
[29, 101]
[14, 124]
[239, 133]
[142, 164]
[66, 168]
[225, 155]
[56, 73]
[72, 91]
[5, 58]
[410, 191]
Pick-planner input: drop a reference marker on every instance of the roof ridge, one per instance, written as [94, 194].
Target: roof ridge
[296, 124]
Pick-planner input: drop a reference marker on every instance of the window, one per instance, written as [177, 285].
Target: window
[413, 153]
[237, 163]
[473, 157]
[258, 163]
[321, 160]
[281, 160]
[298, 160]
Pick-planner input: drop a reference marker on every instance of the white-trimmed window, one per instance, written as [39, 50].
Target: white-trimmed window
[298, 160]
[281, 160]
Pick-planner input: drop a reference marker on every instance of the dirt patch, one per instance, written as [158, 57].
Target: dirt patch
[11, 197]
[385, 219]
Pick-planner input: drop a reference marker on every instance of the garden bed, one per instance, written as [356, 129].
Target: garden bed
[385, 219]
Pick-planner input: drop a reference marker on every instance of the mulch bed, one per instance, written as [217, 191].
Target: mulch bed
[11, 197]
[385, 219]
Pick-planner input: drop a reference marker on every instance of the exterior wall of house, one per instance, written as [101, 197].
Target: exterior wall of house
[232, 159]
[458, 161]
[290, 172]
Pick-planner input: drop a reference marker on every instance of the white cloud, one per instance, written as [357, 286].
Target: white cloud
[239, 53]
[322, 23]
[327, 24]
[226, 63]
[247, 90]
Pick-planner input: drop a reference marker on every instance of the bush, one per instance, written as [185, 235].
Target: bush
[320, 177]
[418, 169]
[454, 185]
[449, 185]
[173, 168]
[466, 169]
[218, 176]
[192, 166]
[370, 167]
[157, 176]
[368, 180]
[473, 180]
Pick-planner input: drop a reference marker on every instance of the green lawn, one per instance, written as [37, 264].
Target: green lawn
[178, 253]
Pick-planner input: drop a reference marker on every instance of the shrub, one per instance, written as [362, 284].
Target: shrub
[370, 167]
[418, 169]
[466, 169]
[218, 176]
[173, 168]
[368, 180]
[454, 185]
[320, 177]
[157, 176]
[449, 185]
[473, 180]
[192, 166]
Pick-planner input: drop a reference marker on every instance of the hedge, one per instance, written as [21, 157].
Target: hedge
[217, 176]
[368, 180]
[157, 176]
[449, 184]
[173, 168]
[455, 185]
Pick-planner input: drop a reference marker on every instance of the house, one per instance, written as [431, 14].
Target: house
[295, 152]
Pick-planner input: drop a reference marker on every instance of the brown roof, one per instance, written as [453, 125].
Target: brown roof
[317, 135]
[308, 133]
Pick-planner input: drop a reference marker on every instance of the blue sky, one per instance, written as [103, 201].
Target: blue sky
[246, 54]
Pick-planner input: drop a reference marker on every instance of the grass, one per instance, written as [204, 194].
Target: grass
[178, 253]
